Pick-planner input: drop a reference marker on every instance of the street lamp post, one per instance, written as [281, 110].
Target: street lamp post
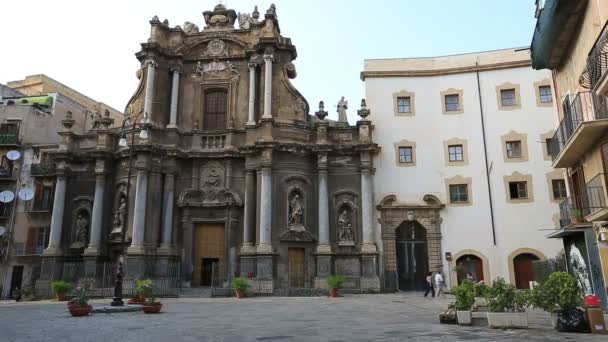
[143, 134]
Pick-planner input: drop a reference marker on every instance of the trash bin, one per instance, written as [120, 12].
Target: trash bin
[595, 315]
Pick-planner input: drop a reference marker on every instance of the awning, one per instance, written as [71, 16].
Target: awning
[555, 27]
[568, 231]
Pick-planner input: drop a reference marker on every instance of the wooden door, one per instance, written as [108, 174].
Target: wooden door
[524, 270]
[297, 266]
[209, 248]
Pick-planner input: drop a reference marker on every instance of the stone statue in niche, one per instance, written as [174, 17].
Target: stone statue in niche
[342, 107]
[296, 212]
[345, 228]
[119, 219]
[82, 230]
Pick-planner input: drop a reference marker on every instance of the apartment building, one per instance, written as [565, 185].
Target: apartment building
[28, 132]
[464, 182]
[571, 39]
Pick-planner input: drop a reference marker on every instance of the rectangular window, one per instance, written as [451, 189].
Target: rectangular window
[43, 197]
[405, 154]
[455, 152]
[514, 149]
[559, 189]
[549, 146]
[403, 104]
[544, 92]
[459, 193]
[42, 239]
[518, 190]
[507, 97]
[451, 103]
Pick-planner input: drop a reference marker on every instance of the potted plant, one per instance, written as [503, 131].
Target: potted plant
[577, 216]
[465, 298]
[143, 289]
[79, 304]
[335, 283]
[240, 286]
[151, 306]
[481, 289]
[61, 288]
[556, 294]
[507, 306]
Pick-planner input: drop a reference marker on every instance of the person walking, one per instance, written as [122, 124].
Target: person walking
[429, 285]
[438, 279]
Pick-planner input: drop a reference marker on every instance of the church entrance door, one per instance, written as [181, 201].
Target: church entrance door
[209, 253]
[412, 256]
[296, 267]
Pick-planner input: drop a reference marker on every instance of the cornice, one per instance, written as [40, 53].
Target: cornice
[447, 71]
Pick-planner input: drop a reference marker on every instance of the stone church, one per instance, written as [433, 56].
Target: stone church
[225, 170]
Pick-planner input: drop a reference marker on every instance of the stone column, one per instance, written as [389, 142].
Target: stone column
[57, 217]
[265, 245]
[267, 87]
[97, 215]
[168, 203]
[323, 246]
[139, 213]
[187, 261]
[174, 97]
[251, 117]
[249, 213]
[367, 212]
[149, 89]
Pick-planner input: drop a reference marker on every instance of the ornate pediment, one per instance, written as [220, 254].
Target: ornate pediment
[216, 70]
[297, 236]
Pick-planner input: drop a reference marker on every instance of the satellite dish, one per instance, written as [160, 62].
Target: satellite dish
[26, 194]
[7, 196]
[2, 230]
[13, 155]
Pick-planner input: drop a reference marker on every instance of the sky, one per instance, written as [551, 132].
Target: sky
[90, 45]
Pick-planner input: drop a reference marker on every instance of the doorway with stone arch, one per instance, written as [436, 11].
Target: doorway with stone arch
[521, 266]
[469, 260]
[412, 256]
[400, 250]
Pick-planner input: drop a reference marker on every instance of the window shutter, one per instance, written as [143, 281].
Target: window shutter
[32, 237]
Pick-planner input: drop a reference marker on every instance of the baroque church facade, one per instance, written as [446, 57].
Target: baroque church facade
[235, 177]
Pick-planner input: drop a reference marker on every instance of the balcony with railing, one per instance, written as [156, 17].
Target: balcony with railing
[5, 211]
[9, 139]
[42, 169]
[596, 75]
[596, 198]
[585, 120]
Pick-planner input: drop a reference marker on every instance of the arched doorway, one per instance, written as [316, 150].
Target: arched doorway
[472, 264]
[523, 269]
[412, 257]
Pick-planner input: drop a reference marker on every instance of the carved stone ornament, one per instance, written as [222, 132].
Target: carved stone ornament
[217, 69]
[190, 27]
[212, 176]
[216, 47]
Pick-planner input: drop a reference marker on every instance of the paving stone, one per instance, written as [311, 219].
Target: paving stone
[382, 317]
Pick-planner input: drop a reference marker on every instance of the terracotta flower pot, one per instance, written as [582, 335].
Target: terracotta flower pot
[79, 311]
[60, 296]
[152, 308]
[239, 293]
[333, 293]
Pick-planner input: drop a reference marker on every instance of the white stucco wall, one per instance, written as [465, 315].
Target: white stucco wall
[517, 225]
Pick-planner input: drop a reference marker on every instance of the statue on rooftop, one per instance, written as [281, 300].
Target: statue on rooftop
[342, 107]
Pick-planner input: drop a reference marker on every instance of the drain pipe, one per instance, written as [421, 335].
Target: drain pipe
[485, 154]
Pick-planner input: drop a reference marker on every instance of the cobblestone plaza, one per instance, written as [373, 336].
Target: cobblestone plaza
[385, 317]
